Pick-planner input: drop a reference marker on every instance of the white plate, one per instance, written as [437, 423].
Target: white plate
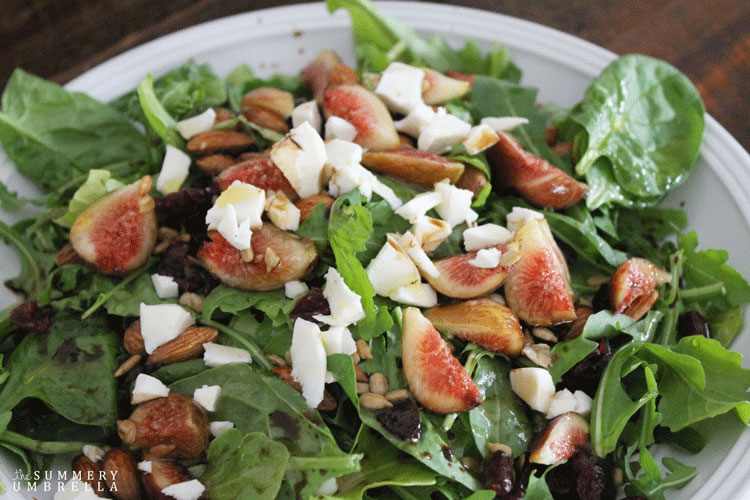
[716, 197]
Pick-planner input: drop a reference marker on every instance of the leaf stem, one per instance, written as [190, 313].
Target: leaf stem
[104, 297]
[255, 351]
[25, 251]
[700, 292]
[45, 447]
[469, 366]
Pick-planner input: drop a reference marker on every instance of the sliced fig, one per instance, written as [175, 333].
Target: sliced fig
[215, 163]
[442, 88]
[296, 257]
[461, 280]
[481, 321]
[538, 285]
[457, 75]
[315, 75]
[473, 180]
[307, 205]
[436, 379]
[538, 181]
[279, 101]
[364, 110]
[265, 118]
[632, 289]
[117, 233]
[261, 172]
[219, 141]
[222, 115]
[341, 74]
[163, 473]
[560, 440]
[414, 165]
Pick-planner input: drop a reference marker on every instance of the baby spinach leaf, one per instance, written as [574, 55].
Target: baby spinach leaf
[428, 450]
[53, 135]
[537, 488]
[315, 227]
[32, 276]
[249, 466]
[63, 368]
[256, 402]
[647, 119]
[350, 227]
[386, 354]
[501, 418]
[493, 97]
[273, 304]
[382, 465]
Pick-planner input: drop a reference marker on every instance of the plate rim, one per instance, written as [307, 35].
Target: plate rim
[719, 148]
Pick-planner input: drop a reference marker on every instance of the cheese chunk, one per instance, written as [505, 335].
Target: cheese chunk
[197, 124]
[534, 386]
[400, 87]
[147, 388]
[416, 294]
[307, 112]
[430, 233]
[207, 396]
[219, 427]
[174, 171]
[415, 208]
[217, 355]
[487, 258]
[165, 286]
[486, 235]
[480, 138]
[338, 340]
[443, 131]
[283, 213]
[338, 128]
[161, 323]
[346, 306]
[188, 490]
[301, 156]
[293, 289]
[412, 248]
[518, 216]
[308, 361]
[504, 123]
[456, 205]
[416, 121]
[145, 466]
[391, 268]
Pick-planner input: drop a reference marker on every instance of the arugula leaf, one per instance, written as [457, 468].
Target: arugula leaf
[349, 228]
[501, 418]
[63, 367]
[249, 466]
[53, 135]
[386, 354]
[380, 39]
[382, 465]
[273, 304]
[98, 184]
[157, 116]
[32, 275]
[493, 97]
[647, 119]
[315, 227]
[257, 402]
[537, 488]
[342, 367]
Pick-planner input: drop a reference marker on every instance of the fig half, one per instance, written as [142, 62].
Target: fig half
[461, 280]
[259, 171]
[632, 289]
[538, 285]
[364, 110]
[293, 257]
[414, 165]
[117, 233]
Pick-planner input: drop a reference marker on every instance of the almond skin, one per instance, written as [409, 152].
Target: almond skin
[308, 204]
[215, 163]
[90, 473]
[132, 340]
[121, 475]
[187, 345]
[279, 101]
[219, 141]
[265, 118]
[473, 180]
[172, 426]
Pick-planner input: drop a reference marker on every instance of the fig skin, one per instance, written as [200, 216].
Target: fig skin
[560, 440]
[117, 233]
[481, 321]
[632, 289]
[442, 88]
[261, 172]
[536, 179]
[225, 262]
[364, 110]
[437, 380]
[414, 165]
[316, 74]
[538, 285]
[460, 280]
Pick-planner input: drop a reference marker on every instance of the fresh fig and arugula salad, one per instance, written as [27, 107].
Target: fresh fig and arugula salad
[405, 280]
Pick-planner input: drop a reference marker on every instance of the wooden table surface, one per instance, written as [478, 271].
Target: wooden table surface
[709, 40]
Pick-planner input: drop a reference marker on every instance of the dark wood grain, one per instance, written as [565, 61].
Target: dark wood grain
[708, 40]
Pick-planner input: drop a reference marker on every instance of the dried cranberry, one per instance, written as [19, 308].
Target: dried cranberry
[693, 323]
[310, 304]
[498, 472]
[189, 277]
[30, 317]
[593, 476]
[186, 208]
[402, 420]
[586, 373]
[600, 301]
[522, 482]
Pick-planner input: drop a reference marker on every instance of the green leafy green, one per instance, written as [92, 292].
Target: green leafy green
[157, 116]
[382, 465]
[315, 227]
[349, 229]
[257, 402]
[249, 466]
[98, 183]
[647, 119]
[53, 135]
[501, 418]
[242, 80]
[273, 304]
[63, 367]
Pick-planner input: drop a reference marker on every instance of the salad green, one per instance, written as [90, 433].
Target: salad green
[633, 138]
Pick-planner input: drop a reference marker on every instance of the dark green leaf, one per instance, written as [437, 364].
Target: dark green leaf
[273, 304]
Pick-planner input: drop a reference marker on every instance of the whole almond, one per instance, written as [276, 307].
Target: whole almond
[121, 475]
[265, 118]
[90, 473]
[68, 256]
[214, 141]
[187, 345]
[132, 340]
